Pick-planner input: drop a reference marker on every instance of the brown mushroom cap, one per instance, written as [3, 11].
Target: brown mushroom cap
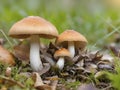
[33, 25]
[71, 35]
[5, 57]
[62, 53]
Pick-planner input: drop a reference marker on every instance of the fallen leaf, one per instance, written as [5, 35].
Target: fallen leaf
[39, 82]
[6, 57]
[22, 52]
[80, 63]
[54, 82]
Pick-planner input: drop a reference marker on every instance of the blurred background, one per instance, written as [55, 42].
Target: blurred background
[98, 20]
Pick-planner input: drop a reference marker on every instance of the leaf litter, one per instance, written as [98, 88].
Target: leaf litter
[86, 66]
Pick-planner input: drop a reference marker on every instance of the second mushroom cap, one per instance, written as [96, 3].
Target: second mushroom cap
[71, 35]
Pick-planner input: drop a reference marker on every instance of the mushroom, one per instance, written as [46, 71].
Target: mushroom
[61, 54]
[6, 57]
[72, 39]
[34, 27]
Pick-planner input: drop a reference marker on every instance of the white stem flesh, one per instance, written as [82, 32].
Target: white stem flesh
[35, 60]
[71, 48]
[60, 63]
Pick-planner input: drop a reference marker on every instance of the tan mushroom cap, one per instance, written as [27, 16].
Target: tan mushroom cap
[71, 35]
[33, 25]
[62, 53]
[5, 57]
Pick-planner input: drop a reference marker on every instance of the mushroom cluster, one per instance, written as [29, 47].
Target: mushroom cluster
[65, 57]
[73, 40]
[34, 28]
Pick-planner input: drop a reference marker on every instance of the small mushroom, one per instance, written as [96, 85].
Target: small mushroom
[34, 27]
[72, 39]
[61, 54]
[6, 57]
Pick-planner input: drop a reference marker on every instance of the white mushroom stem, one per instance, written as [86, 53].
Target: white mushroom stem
[60, 63]
[35, 60]
[71, 48]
